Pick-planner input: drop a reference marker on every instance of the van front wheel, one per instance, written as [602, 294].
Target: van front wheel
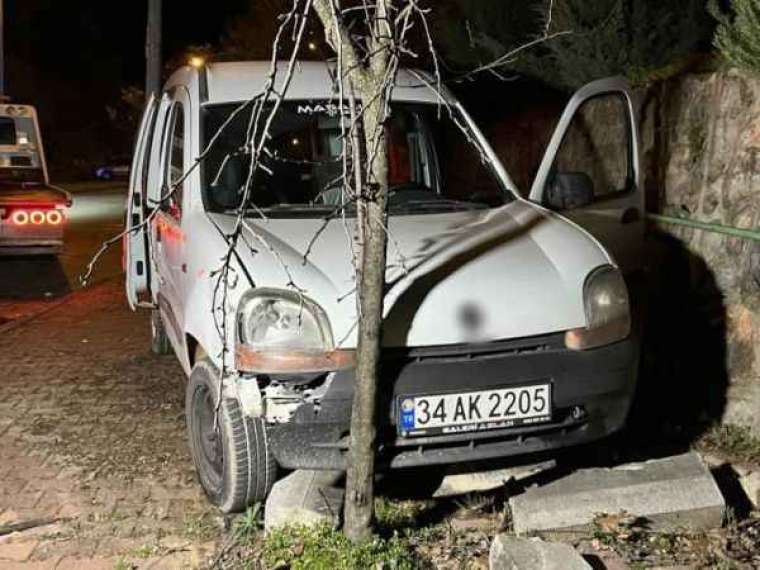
[230, 450]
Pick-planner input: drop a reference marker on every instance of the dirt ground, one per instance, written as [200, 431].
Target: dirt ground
[92, 436]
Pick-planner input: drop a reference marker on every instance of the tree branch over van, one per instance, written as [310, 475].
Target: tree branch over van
[294, 226]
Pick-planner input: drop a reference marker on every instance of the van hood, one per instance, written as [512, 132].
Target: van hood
[459, 277]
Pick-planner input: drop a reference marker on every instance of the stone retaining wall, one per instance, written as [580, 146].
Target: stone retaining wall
[701, 151]
[700, 148]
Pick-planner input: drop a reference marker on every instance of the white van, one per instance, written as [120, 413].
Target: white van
[508, 325]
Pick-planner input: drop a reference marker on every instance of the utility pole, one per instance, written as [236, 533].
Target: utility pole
[153, 59]
[2, 50]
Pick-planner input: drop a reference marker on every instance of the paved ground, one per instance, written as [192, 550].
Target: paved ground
[91, 423]
[92, 431]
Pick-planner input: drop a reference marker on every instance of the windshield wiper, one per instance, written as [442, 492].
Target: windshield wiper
[442, 203]
[279, 210]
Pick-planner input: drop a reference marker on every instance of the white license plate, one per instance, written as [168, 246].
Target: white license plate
[474, 411]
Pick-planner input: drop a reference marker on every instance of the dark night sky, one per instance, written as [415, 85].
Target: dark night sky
[76, 37]
[71, 58]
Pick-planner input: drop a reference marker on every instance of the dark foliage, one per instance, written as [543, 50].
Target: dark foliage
[644, 40]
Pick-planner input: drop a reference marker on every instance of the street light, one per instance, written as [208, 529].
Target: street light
[153, 49]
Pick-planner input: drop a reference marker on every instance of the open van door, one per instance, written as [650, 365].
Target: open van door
[590, 172]
[136, 247]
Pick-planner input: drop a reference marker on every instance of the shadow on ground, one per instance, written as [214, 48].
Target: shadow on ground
[684, 379]
[681, 392]
[32, 278]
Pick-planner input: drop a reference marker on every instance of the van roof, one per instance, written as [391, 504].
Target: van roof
[239, 81]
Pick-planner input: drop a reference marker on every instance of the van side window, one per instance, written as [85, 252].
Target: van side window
[175, 162]
[594, 160]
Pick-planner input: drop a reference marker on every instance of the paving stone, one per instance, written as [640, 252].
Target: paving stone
[71, 563]
[17, 551]
[304, 497]
[515, 553]
[9, 516]
[675, 492]
[462, 483]
[80, 411]
[750, 483]
[37, 565]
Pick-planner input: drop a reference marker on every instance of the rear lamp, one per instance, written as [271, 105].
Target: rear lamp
[20, 218]
[37, 217]
[54, 217]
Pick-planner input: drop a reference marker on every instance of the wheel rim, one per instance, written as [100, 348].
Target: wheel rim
[207, 439]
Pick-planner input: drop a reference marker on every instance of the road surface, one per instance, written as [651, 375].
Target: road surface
[31, 284]
[91, 422]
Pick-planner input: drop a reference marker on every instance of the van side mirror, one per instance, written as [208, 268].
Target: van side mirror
[569, 190]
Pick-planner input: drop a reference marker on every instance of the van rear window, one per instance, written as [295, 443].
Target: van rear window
[7, 131]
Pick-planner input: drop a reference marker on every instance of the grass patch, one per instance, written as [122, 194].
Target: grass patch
[145, 551]
[323, 547]
[200, 527]
[396, 515]
[249, 524]
[732, 441]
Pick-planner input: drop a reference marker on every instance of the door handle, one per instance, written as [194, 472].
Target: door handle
[630, 216]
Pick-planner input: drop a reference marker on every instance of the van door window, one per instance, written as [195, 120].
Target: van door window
[594, 160]
[7, 131]
[175, 163]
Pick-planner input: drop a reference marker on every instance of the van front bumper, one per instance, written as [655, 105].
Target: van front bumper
[591, 396]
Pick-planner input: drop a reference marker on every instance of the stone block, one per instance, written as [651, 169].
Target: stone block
[673, 493]
[463, 482]
[304, 498]
[750, 483]
[514, 553]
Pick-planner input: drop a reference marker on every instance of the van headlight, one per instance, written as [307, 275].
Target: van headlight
[281, 331]
[608, 313]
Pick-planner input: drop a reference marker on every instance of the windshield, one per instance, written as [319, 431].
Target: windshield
[432, 166]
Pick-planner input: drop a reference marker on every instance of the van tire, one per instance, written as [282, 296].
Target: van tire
[159, 342]
[234, 463]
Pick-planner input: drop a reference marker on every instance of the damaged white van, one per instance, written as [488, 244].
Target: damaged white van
[508, 327]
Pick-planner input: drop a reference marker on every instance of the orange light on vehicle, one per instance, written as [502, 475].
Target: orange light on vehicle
[37, 217]
[20, 218]
[54, 217]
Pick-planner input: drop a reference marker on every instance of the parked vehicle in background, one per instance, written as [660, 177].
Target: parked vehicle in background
[517, 341]
[117, 169]
[32, 211]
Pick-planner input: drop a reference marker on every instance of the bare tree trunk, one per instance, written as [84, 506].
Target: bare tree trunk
[371, 80]
[361, 468]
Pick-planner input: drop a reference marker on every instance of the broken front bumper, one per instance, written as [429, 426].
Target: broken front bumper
[591, 392]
